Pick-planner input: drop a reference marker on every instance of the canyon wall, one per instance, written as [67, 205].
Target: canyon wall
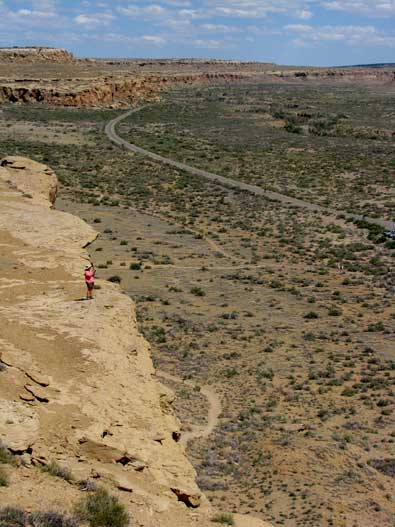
[116, 92]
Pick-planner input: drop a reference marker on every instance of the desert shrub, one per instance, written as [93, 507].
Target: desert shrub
[51, 519]
[323, 125]
[54, 469]
[159, 334]
[292, 127]
[311, 315]
[115, 279]
[3, 479]
[87, 485]
[334, 311]
[135, 266]
[101, 509]
[123, 242]
[225, 519]
[378, 326]
[5, 456]
[376, 232]
[197, 291]
[12, 517]
[348, 392]
[386, 466]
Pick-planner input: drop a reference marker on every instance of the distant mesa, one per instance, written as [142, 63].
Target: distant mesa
[36, 54]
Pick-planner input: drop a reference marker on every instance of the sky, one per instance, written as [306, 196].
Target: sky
[296, 32]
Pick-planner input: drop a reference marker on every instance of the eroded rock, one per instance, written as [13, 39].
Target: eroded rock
[38, 378]
[109, 454]
[190, 499]
[37, 392]
[19, 426]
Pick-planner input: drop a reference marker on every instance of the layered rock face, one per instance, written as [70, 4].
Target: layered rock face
[35, 55]
[116, 92]
[77, 385]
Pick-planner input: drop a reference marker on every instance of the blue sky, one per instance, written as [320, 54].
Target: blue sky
[299, 32]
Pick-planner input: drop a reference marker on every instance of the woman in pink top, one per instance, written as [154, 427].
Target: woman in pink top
[89, 275]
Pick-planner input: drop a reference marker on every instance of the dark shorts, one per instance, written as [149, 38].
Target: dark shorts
[90, 285]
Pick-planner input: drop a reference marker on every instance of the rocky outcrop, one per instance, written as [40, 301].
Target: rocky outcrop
[77, 385]
[34, 55]
[30, 177]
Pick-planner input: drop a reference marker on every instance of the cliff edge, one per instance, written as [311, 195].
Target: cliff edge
[77, 385]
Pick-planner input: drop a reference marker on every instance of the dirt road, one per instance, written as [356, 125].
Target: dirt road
[228, 182]
[214, 402]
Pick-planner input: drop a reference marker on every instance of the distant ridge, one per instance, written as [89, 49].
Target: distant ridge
[374, 66]
[35, 54]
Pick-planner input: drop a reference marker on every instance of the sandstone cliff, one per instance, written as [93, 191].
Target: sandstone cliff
[117, 92]
[77, 385]
[35, 55]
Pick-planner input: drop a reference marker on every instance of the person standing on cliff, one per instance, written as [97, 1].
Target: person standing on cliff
[89, 275]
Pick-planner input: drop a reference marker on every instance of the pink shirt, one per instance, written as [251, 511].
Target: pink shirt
[89, 276]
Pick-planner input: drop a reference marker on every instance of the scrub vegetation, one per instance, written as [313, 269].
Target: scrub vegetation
[287, 313]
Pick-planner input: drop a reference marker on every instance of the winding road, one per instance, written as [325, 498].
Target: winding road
[229, 182]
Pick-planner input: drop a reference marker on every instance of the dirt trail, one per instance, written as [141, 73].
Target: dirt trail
[215, 407]
[228, 182]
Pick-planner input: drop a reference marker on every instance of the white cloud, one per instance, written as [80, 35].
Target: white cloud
[299, 27]
[240, 13]
[239, 9]
[93, 20]
[366, 7]
[149, 12]
[220, 28]
[83, 19]
[154, 39]
[44, 5]
[155, 9]
[211, 44]
[260, 8]
[351, 35]
[191, 13]
[304, 14]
